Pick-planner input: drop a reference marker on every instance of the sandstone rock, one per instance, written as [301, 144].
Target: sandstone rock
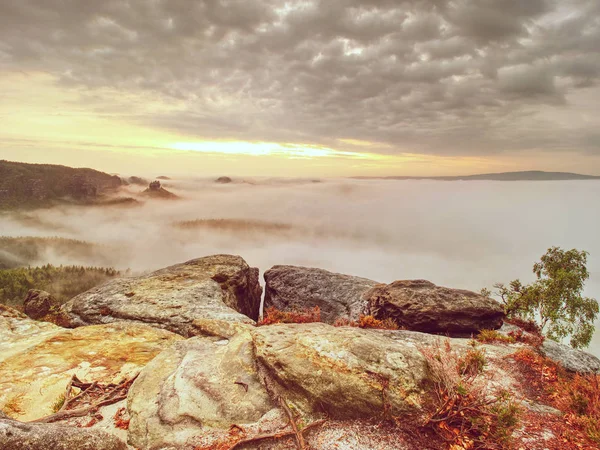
[38, 304]
[155, 190]
[420, 305]
[196, 388]
[297, 288]
[27, 436]
[570, 358]
[220, 287]
[341, 371]
[38, 359]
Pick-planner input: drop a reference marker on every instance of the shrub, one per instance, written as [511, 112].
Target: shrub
[369, 322]
[576, 395]
[489, 336]
[535, 340]
[579, 398]
[273, 315]
[466, 411]
[527, 325]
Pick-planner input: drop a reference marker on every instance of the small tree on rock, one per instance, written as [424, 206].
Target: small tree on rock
[555, 299]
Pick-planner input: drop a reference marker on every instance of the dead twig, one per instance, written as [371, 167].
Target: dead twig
[278, 435]
[116, 394]
[288, 411]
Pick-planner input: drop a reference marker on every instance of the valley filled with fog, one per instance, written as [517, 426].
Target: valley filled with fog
[456, 234]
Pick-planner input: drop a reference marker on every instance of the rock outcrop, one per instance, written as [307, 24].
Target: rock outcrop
[36, 436]
[420, 305]
[38, 304]
[571, 359]
[38, 359]
[292, 288]
[341, 372]
[199, 387]
[155, 190]
[137, 180]
[223, 180]
[220, 287]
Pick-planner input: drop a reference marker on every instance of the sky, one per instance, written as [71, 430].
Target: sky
[302, 88]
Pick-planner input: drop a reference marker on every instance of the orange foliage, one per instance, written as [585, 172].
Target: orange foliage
[528, 325]
[120, 421]
[272, 315]
[368, 322]
[576, 395]
[533, 339]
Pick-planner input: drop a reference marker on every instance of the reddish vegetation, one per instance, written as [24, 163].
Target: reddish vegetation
[532, 339]
[368, 322]
[120, 421]
[272, 315]
[466, 412]
[528, 325]
[576, 396]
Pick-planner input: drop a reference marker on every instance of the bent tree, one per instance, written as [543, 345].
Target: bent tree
[555, 299]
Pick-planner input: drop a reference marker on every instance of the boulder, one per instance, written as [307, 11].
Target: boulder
[297, 288]
[220, 287]
[38, 359]
[38, 304]
[36, 436]
[196, 390]
[420, 305]
[571, 359]
[341, 372]
[223, 180]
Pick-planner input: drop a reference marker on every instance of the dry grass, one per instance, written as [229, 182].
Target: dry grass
[272, 316]
[466, 412]
[493, 336]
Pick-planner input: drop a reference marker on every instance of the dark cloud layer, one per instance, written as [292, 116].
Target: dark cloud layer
[433, 76]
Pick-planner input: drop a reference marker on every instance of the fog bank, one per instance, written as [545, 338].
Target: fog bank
[458, 234]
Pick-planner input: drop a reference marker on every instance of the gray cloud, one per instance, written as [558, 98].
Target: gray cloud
[432, 76]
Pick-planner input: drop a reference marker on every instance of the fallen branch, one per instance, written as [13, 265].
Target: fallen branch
[288, 411]
[278, 435]
[115, 395]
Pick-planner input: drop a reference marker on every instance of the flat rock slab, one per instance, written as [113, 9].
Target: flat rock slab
[195, 391]
[341, 371]
[27, 436]
[220, 287]
[292, 288]
[420, 305]
[38, 360]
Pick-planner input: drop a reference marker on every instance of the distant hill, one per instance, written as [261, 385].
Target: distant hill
[42, 185]
[27, 251]
[155, 190]
[529, 175]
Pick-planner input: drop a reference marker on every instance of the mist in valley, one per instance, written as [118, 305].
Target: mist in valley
[457, 234]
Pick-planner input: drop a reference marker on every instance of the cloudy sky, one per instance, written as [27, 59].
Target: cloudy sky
[312, 87]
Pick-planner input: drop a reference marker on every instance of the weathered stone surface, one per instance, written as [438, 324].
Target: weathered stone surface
[221, 287]
[420, 305]
[27, 436]
[38, 359]
[297, 288]
[341, 371]
[570, 358]
[196, 387]
[38, 303]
